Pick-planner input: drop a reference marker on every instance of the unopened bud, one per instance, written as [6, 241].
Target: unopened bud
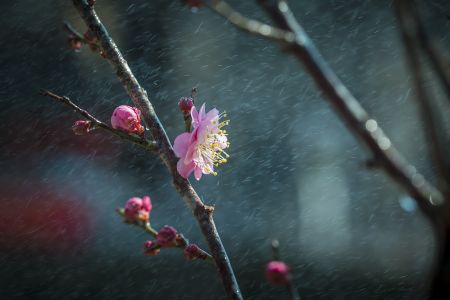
[90, 37]
[192, 252]
[75, 42]
[81, 127]
[137, 209]
[127, 118]
[277, 273]
[167, 236]
[151, 248]
[185, 104]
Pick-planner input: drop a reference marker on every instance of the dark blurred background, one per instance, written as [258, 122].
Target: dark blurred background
[295, 173]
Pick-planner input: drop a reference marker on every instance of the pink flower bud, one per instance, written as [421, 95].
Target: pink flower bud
[128, 119]
[81, 127]
[277, 273]
[137, 209]
[151, 248]
[185, 104]
[74, 42]
[167, 236]
[192, 252]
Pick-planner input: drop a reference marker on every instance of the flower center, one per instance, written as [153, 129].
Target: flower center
[212, 151]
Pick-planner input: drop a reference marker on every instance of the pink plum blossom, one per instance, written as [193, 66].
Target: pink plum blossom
[203, 148]
[137, 209]
[277, 273]
[127, 118]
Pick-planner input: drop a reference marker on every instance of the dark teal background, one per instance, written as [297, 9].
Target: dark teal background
[295, 172]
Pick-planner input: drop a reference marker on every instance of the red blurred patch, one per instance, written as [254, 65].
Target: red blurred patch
[39, 219]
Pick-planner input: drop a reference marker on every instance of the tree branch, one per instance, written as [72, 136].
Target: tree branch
[249, 25]
[144, 143]
[350, 110]
[439, 62]
[202, 212]
[409, 34]
[146, 226]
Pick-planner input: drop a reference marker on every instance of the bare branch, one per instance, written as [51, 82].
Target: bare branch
[439, 62]
[249, 25]
[409, 35]
[355, 117]
[149, 145]
[146, 226]
[202, 212]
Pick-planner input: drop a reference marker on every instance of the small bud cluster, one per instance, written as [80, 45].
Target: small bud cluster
[167, 237]
[137, 211]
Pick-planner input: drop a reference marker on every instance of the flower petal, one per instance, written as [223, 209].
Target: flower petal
[194, 117]
[198, 173]
[190, 154]
[181, 144]
[146, 203]
[213, 113]
[185, 169]
[202, 114]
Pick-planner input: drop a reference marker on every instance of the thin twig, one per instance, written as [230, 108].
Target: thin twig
[413, 36]
[439, 62]
[249, 25]
[350, 110]
[203, 213]
[409, 36]
[67, 27]
[147, 227]
[292, 290]
[144, 143]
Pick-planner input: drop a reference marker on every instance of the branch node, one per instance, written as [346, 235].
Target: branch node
[209, 209]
